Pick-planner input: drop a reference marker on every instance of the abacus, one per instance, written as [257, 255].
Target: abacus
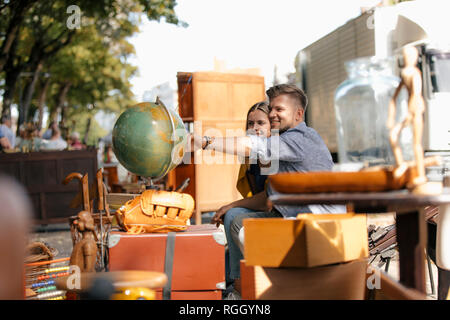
[40, 279]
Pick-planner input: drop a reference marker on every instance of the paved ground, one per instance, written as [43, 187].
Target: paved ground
[393, 270]
[58, 236]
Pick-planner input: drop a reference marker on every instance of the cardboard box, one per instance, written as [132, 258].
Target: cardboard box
[344, 281]
[308, 241]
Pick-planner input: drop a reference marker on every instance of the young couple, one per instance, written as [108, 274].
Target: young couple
[296, 148]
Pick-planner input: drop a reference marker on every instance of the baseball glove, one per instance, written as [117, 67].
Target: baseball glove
[156, 211]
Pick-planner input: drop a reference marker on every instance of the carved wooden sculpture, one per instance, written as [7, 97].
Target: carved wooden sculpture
[411, 79]
[84, 253]
[84, 184]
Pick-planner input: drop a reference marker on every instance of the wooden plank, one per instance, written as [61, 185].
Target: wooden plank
[411, 238]
[185, 96]
[116, 200]
[227, 77]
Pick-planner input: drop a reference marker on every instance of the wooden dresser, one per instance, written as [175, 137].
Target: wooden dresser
[214, 104]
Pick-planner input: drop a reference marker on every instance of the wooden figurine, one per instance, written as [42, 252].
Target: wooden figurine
[411, 79]
[84, 253]
[84, 186]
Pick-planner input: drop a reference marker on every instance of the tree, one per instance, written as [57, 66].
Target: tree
[16, 10]
[34, 33]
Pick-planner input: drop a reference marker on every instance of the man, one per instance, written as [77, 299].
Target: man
[55, 142]
[5, 129]
[4, 142]
[53, 126]
[297, 148]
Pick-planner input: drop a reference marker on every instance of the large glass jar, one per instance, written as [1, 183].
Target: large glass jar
[361, 106]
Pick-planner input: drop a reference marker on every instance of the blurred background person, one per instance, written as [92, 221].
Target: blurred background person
[48, 133]
[55, 142]
[15, 223]
[4, 142]
[74, 141]
[29, 139]
[5, 128]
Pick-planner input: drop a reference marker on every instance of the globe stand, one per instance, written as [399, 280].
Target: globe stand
[149, 185]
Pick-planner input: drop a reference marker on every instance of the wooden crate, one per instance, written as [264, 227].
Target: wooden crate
[210, 103]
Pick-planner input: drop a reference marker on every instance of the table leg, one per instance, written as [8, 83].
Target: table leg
[198, 216]
[411, 239]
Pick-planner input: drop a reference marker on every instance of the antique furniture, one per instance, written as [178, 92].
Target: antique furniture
[212, 103]
[42, 173]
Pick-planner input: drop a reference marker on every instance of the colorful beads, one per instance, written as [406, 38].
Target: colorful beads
[53, 275]
[41, 284]
[49, 295]
[57, 269]
[40, 279]
[50, 288]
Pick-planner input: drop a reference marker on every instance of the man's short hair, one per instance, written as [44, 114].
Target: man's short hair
[291, 90]
[6, 117]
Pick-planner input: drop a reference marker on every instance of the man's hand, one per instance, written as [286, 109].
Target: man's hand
[196, 142]
[4, 142]
[218, 217]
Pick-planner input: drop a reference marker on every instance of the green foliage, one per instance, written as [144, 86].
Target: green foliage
[96, 131]
[90, 60]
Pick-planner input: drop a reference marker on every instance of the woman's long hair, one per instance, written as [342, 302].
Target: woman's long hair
[263, 106]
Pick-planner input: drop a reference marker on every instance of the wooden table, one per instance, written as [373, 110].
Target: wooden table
[410, 222]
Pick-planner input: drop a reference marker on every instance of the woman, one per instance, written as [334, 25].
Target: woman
[29, 140]
[250, 182]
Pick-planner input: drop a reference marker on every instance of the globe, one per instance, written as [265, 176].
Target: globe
[149, 139]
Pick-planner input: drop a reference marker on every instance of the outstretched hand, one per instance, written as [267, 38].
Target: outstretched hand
[196, 141]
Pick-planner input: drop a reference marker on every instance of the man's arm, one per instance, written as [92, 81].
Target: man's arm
[232, 145]
[4, 142]
[258, 202]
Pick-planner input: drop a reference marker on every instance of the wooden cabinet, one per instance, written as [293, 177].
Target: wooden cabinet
[214, 104]
[42, 173]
